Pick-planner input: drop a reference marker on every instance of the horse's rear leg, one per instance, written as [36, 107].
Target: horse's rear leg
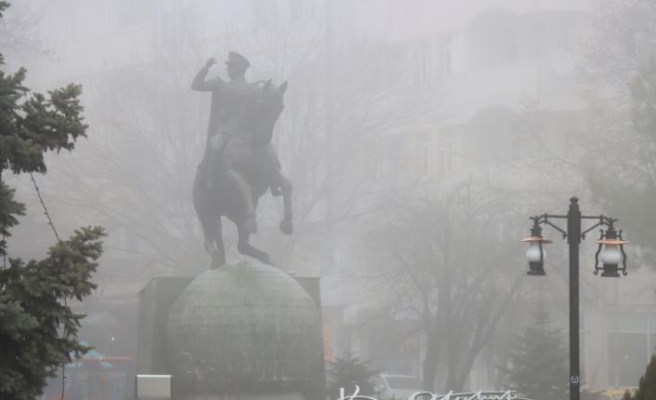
[216, 247]
[246, 193]
[247, 249]
[285, 186]
[213, 233]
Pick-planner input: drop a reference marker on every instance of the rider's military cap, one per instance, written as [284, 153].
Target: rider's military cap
[238, 60]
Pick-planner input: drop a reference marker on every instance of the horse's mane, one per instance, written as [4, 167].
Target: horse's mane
[255, 88]
[259, 85]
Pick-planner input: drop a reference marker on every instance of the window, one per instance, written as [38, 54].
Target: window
[132, 12]
[447, 57]
[566, 40]
[72, 25]
[375, 160]
[426, 158]
[301, 9]
[263, 11]
[422, 69]
[512, 46]
[449, 150]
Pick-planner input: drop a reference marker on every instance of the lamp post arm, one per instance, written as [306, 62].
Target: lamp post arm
[591, 228]
[546, 221]
[603, 221]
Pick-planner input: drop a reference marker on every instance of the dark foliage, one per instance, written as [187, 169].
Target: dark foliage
[539, 360]
[38, 331]
[347, 372]
[647, 386]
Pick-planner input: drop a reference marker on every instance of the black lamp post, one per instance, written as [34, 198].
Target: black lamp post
[611, 252]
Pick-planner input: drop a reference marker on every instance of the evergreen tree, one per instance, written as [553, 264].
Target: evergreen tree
[38, 330]
[347, 372]
[647, 386]
[539, 359]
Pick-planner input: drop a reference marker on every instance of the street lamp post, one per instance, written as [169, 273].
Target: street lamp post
[611, 252]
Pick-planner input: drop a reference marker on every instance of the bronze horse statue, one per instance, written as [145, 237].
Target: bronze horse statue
[249, 153]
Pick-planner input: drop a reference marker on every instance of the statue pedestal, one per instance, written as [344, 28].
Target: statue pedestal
[246, 331]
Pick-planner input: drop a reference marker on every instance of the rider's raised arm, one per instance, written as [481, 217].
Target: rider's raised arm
[201, 84]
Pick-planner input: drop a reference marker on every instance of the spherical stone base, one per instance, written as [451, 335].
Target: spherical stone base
[245, 328]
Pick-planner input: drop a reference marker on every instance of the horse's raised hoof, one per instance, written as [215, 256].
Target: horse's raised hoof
[276, 191]
[286, 226]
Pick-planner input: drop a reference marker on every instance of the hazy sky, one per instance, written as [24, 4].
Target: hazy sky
[403, 18]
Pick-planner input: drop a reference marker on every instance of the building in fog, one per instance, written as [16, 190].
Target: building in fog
[509, 96]
[513, 101]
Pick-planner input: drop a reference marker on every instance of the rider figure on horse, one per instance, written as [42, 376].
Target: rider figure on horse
[225, 116]
[240, 163]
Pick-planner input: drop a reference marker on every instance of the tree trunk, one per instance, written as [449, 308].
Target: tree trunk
[431, 360]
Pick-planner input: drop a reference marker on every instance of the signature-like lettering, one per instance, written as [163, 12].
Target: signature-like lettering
[354, 396]
[426, 395]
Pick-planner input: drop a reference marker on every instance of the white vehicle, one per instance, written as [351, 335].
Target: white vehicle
[396, 387]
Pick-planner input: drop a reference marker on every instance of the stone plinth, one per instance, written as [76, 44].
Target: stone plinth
[245, 331]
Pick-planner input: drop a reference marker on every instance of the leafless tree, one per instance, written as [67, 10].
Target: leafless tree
[18, 35]
[344, 93]
[151, 132]
[138, 170]
[446, 263]
[619, 76]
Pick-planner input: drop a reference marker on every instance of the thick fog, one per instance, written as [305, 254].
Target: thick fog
[419, 137]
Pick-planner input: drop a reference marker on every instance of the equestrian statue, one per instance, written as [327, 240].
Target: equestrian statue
[240, 163]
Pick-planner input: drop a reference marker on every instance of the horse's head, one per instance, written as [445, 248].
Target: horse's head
[267, 105]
